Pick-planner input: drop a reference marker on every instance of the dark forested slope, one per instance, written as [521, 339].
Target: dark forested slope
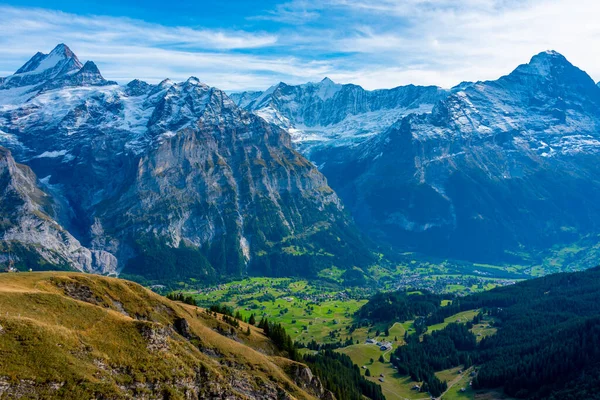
[547, 344]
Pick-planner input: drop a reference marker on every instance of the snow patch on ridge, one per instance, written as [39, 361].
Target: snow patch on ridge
[52, 154]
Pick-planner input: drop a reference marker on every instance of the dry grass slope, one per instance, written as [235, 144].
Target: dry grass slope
[73, 336]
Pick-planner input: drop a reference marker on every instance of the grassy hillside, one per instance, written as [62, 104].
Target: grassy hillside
[69, 335]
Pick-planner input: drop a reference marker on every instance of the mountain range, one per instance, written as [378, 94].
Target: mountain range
[487, 171]
[180, 180]
[163, 181]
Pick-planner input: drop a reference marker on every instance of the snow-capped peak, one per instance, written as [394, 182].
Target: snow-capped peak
[41, 62]
[325, 89]
[192, 80]
[62, 49]
[32, 64]
[550, 66]
[546, 58]
[328, 89]
[47, 70]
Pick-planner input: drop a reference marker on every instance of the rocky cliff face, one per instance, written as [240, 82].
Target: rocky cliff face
[28, 232]
[497, 167]
[173, 179]
[325, 114]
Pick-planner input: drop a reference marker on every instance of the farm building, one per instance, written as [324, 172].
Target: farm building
[385, 346]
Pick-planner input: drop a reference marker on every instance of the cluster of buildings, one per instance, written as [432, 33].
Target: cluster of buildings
[383, 346]
[439, 284]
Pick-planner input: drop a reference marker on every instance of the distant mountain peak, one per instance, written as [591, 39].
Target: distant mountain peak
[550, 66]
[32, 64]
[326, 89]
[90, 67]
[192, 80]
[552, 53]
[63, 50]
[41, 62]
[88, 75]
[548, 57]
[48, 70]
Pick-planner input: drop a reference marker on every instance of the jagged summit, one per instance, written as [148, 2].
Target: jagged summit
[325, 113]
[90, 67]
[59, 68]
[63, 51]
[544, 61]
[137, 87]
[61, 56]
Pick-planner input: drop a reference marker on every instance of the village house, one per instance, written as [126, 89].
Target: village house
[385, 346]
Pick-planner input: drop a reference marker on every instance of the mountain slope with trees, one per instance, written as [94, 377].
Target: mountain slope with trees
[547, 344]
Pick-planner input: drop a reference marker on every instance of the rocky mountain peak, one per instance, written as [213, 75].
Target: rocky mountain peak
[32, 64]
[550, 66]
[63, 50]
[137, 87]
[60, 58]
[192, 80]
[59, 68]
[89, 75]
[90, 67]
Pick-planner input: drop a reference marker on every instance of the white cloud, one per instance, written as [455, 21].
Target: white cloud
[18, 22]
[126, 49]
[453, 41]
[375, 44]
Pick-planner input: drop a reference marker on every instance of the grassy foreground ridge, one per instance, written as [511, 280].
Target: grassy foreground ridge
[71, 335]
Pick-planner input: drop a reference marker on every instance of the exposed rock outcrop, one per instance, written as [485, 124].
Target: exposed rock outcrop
[28, 230]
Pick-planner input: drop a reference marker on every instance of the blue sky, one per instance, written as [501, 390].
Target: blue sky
[238, 45]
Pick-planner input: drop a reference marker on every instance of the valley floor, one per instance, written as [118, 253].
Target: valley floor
[323, 312]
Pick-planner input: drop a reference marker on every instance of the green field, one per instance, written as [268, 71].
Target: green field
[460, 317]
[459, 382]
[484, 328]
[307, 311]
[394, 386]
[324, 311]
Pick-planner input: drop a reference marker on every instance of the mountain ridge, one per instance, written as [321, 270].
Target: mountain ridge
[73, 336]
[482, 152]
[176, 166]
[325, 114]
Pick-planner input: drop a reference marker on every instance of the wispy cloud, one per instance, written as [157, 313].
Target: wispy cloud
[19, 22]
[126, 49]
[374, 44]
[295, 12]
